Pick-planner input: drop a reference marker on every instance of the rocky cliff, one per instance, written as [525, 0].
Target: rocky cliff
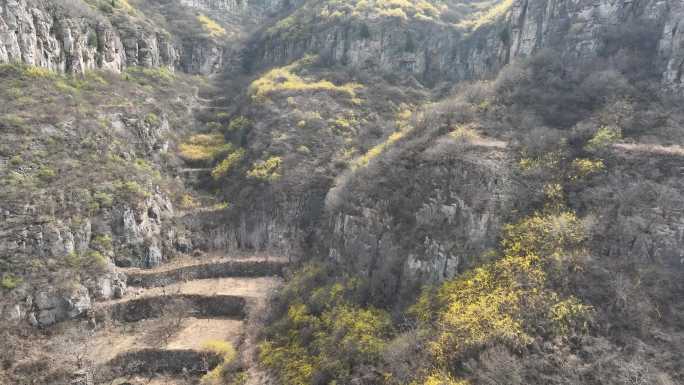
[86, 185]
[71, 37]
[434, 221]
[478, 46]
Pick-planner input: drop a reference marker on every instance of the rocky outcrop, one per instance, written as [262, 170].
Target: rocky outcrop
[110, 285]
[437, 219]
[71, 37]
[445, 215]
[142, 231]
[33, 34]
[640, 210]
[671, 49]
[44, 237]
[580, 26]
[134, 229]
[49, 304]
[269, 227]
[50, 307]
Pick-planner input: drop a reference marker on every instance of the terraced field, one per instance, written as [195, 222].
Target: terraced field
[157, 333]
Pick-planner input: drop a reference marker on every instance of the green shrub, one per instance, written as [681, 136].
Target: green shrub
[188, 202]
[92, 39]
[12, 121]
[509, 301]
[285, 80]
[152, 119]
[238, 124]
[46, 173]
[131, 191]
[102, 242]
[604, 137]
[103, 199]
[10, 281]
[212, 28]
[89, 262]
[16, 161]
[214, 126]
[149, 76]
[38, 72]
[582, 168]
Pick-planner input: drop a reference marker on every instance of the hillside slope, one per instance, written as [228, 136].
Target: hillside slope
[474, 192]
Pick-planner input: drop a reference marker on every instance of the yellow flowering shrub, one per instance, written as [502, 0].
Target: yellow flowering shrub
[322, 332]
[228, 354]
[509, 301]
[266, 170]
[583, 167]
[285, 79]
[204, 147]
[604, 137]
[226, 165]
[441, 379]
[211, 27]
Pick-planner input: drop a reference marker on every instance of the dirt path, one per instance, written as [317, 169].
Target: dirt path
[651, 148]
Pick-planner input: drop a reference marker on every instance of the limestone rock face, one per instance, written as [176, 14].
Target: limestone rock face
[33, 35]
[108, 286]
[51, 307]
[672, 51]
[218, 7]
[433, 51]
[271, 228]
[640, 217]
[142, 232]
[441, 216]
[49, 238]
[43, 34]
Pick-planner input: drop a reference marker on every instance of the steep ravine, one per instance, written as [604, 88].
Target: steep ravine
[410, 219]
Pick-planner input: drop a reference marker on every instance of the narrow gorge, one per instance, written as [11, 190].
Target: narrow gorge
[294, 192]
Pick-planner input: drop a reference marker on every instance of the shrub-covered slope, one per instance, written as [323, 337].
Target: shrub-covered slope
[478, 192]
[87, 166]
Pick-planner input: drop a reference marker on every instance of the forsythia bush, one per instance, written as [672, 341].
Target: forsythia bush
[267, 170]
[204, 147]
[509, 301]
[228, 354]
[284, 79]
[325, 337]
[441, 379]
[582, 168]
[226, 165]
[604, 137]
